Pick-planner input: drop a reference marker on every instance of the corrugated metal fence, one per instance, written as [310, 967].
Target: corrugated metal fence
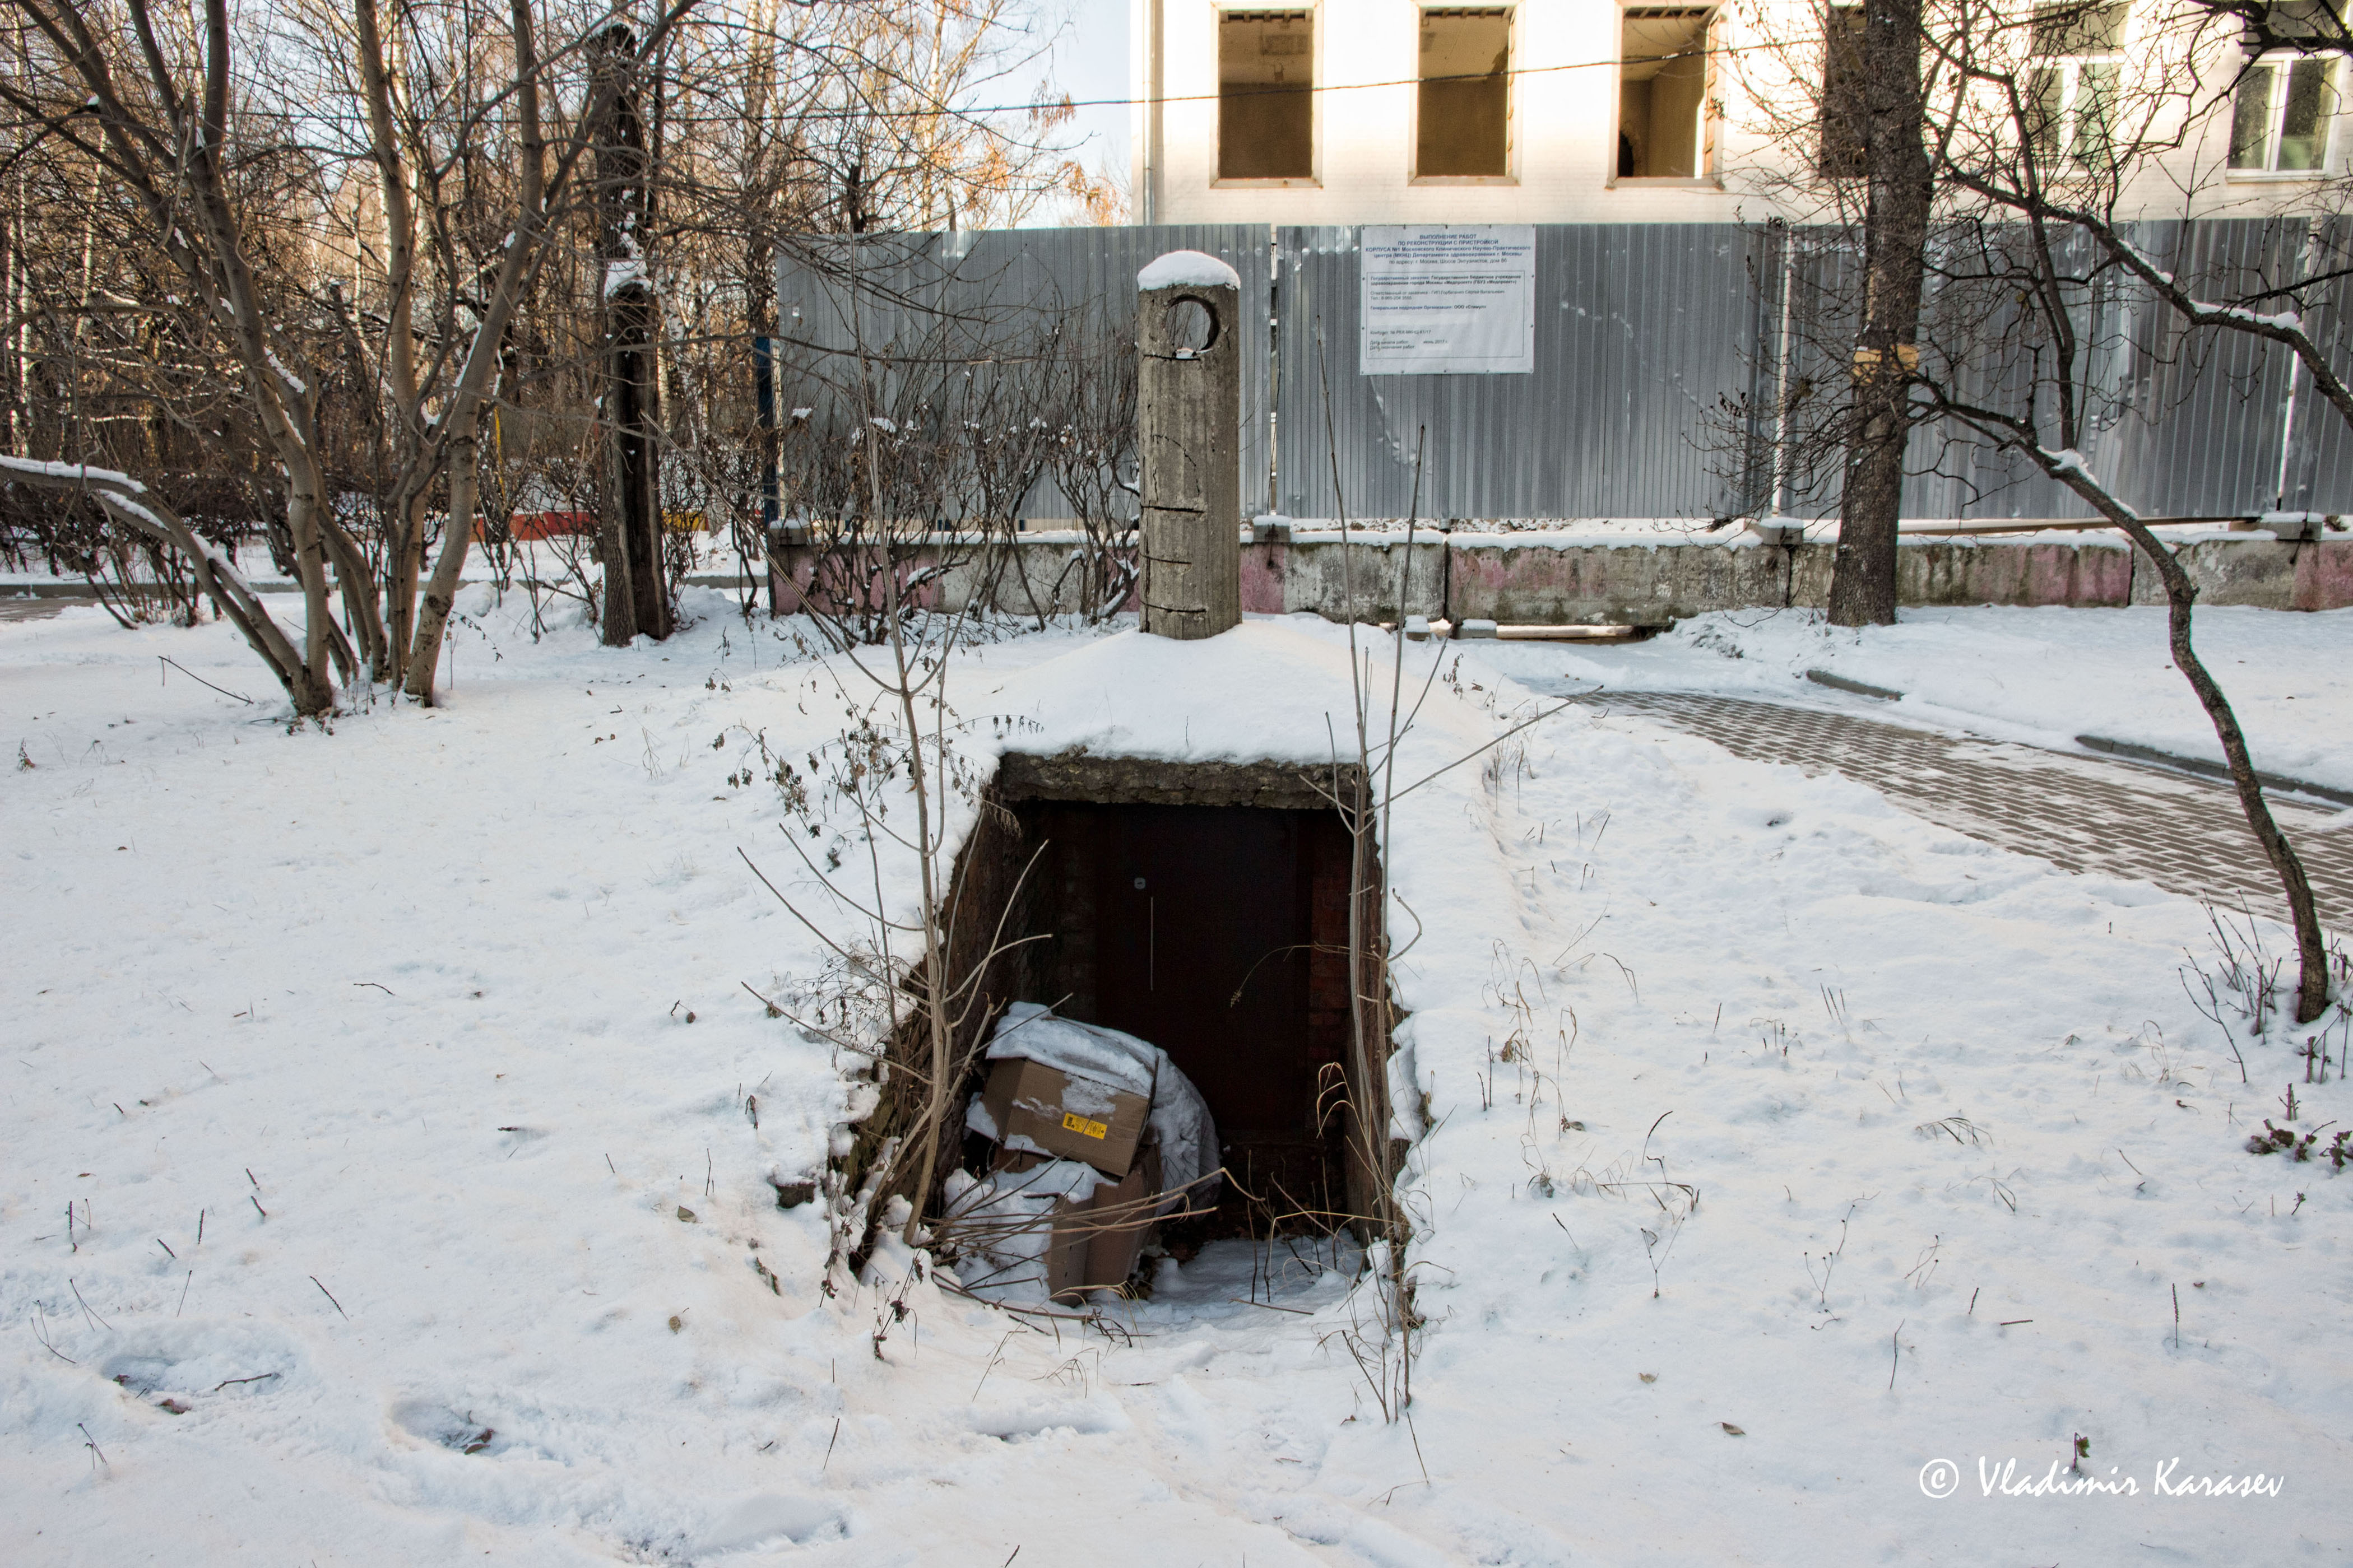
[1663, 355]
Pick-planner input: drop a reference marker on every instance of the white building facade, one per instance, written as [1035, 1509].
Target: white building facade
[1395, 111]
[1355, 112]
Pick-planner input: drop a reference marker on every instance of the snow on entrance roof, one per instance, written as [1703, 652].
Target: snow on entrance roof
[1268, 690]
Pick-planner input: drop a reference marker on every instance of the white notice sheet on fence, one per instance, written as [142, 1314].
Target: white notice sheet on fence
[1448, 299]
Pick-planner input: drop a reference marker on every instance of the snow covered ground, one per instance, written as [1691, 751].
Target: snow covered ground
[1779, 1145]
[2043, 676]
[555, 560]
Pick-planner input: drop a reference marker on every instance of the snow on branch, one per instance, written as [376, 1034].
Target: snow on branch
[70, 473]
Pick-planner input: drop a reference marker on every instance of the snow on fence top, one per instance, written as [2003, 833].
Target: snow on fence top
[1188, 269]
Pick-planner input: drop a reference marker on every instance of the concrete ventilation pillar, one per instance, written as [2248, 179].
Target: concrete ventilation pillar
[1189, 419]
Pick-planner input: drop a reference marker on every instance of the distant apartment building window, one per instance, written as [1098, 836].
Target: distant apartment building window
[1463, 127]
[2282, 114]
[2072, 83]
[1266, 95]
[1845, 114]
[1663, 131]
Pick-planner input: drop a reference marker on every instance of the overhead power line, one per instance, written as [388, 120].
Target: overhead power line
[1056, 104]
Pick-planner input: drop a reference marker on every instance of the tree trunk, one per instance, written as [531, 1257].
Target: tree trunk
[629, 510]
[449, 567]
[1895, 231]
[404, 532]
[2181, 595]
[303, 502]
[629, 498]
[2312, 950]
[476, 381]
[403, 549]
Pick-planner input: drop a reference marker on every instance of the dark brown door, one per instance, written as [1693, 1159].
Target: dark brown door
[1202, 921]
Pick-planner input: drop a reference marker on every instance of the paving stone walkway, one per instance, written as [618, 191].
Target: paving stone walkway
[2084, 813]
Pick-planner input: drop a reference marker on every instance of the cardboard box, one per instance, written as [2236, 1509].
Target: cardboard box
[1094, 1246]
[1071, 1118]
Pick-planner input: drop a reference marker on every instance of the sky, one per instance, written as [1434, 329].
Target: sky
[1090, 61]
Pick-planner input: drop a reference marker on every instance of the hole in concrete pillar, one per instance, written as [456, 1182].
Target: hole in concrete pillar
[1205, 907]
[1192, 325]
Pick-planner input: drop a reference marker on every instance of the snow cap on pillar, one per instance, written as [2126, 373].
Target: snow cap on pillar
[1188, 269]
[1188, 414]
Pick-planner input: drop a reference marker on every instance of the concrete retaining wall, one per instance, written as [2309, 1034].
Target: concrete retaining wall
[2262, 573]
[1534, 579]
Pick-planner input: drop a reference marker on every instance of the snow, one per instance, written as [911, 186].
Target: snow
[2280, 321]
[1753, 1103]
[717, 562]
[1187, 269]
[2041, 676]
[70, 471]
[302, 388]
[623, 273]
[1649, 533]
[1088, 1053]
[1031, 1032]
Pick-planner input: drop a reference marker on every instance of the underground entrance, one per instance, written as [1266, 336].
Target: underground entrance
[1204, 908]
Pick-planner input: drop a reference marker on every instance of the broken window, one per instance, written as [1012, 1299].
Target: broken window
[1464, 123]
[1663, 95]
[2071, 86]
[2282, 114]
[1846, 115]
[1266, 97]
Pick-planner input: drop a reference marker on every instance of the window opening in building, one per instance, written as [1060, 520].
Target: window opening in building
[2281, 119]
[2071, 86]
[1662, 83]
[1464, 123]
[1266, 97]
[1844, 112]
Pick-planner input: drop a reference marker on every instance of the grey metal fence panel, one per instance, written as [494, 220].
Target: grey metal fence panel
[2178, 423]
[1982, 343]
[1649, 337]
[2320, 465]
[1641, 331]
[2212, 402]
[993, 290]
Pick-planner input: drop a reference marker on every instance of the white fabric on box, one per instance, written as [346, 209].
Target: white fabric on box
[1029, 1032]
[1086, 1053]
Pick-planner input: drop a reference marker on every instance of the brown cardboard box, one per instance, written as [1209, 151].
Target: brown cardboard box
[1028, 1099]
[1122, 1220]
[1094, 1245]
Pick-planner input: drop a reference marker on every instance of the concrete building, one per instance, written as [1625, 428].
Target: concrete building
[1355, 112]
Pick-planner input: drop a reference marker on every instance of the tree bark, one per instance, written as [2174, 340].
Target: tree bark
[2180, 598]
[233, 599]
[405, 518]
[2181, 595]
[1895, 231]
[476, 380]
[629, 500]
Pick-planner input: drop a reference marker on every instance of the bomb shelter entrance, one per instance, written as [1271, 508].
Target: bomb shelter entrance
[1205, 907]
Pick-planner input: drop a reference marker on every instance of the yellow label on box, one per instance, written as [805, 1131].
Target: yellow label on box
[1073, 1122]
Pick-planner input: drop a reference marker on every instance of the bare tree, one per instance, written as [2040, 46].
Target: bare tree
[2047, 148]
[154, 109]
[406, 298]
